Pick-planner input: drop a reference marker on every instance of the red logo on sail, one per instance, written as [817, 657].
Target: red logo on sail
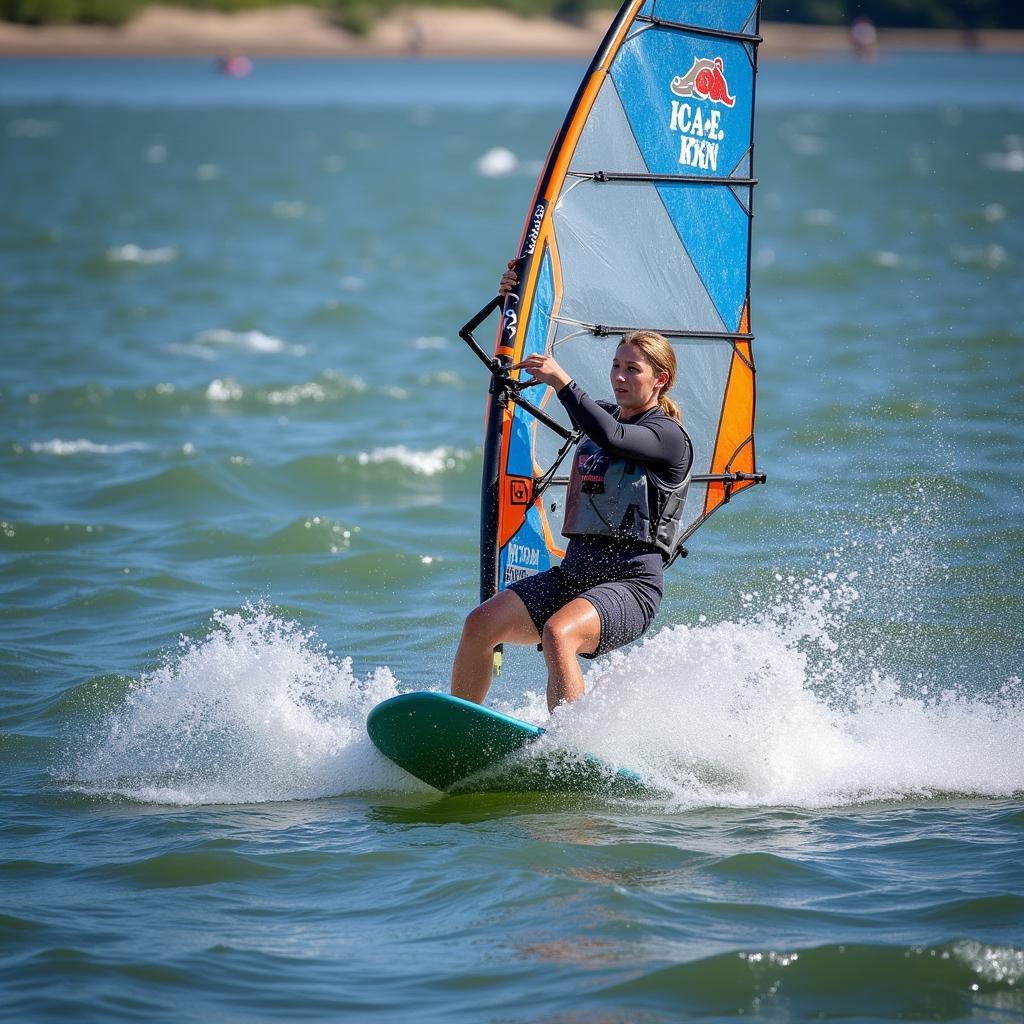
[519, 490]
[706, 81]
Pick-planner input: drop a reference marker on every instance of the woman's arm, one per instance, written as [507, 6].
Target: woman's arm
[658, 443]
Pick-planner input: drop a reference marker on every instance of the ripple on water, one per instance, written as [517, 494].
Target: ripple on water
[933, 982]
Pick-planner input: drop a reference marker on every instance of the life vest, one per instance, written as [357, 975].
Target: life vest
[610, 496]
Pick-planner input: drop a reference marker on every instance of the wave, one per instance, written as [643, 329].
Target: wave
[386, 466]
[194, 489]
[325, 388]
[20, 536]
[189, 868]
[1011, 159]
[305, 535]
[131, 253]
[938, 982]
[430, 462]
[256, 710]
[427, 462]
[188, 490]
[739, 713]
[247, 341]
[497, 162]
[56, 446]
[765, 711]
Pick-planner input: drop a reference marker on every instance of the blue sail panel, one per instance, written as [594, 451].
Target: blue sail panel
[688, 100]
[520, 450]
[689, 103]
[526, 553]
[714, 229]
[724, 15]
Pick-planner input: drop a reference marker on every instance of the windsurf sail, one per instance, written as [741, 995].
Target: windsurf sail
[641, 219]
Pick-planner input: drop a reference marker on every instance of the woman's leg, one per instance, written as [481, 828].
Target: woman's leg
[502, 619]
[572, 630]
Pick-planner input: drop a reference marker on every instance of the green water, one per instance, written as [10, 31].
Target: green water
[239, 464]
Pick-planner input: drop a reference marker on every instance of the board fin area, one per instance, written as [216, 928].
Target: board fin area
[460, 747]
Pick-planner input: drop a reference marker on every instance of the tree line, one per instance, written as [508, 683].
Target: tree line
[359, 15]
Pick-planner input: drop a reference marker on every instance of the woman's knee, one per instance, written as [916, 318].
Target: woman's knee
[502, 619]
[560, 635]
[480, 623]
[575, 629]
[494, 621]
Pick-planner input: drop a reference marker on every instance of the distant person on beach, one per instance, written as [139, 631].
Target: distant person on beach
[864, 39]
[234, 66]
[415, 37]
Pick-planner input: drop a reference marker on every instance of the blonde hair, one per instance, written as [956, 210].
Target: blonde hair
[662, 357]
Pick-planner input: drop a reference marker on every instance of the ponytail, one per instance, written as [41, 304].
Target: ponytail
[669, 407]
[662, 357]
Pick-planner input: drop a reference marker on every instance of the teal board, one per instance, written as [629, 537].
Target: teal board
[461, 747]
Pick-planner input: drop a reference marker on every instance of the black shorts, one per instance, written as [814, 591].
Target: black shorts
[625, 586]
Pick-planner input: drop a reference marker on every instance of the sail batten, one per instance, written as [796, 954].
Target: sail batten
[641, 220]
[701, 30]
[603, 330]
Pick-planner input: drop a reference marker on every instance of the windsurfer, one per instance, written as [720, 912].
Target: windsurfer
[624, 504]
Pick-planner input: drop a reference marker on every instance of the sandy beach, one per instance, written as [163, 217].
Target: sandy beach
[297, 31]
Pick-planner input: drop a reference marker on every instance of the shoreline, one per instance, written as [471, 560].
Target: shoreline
[297, 31]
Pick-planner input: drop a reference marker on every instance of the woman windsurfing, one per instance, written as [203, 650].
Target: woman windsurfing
[627, 487]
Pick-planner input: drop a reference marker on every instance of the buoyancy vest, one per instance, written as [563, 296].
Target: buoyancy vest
[611, 496]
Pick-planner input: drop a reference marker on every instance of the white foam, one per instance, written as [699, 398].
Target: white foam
[195, 351]
[807, 145]
[288, 209]
[885, 258]
[226, 390]
[255, 711]
[32, 128]
[426, 463]
[990, 257]
[819, 218]
[762, 711]
[132, 253]
[83, 445]
[249, 341]
[754, 711]
[310, 391]
[1012, 161]
[497, 163]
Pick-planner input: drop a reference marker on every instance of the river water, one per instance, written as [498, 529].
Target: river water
[239, 465]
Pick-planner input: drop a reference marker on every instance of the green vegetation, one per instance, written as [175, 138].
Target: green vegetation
[957, 14]
[359, 15]
[355, 15]
[83, 12]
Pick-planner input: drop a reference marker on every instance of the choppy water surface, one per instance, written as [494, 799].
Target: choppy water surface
[239, 456]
